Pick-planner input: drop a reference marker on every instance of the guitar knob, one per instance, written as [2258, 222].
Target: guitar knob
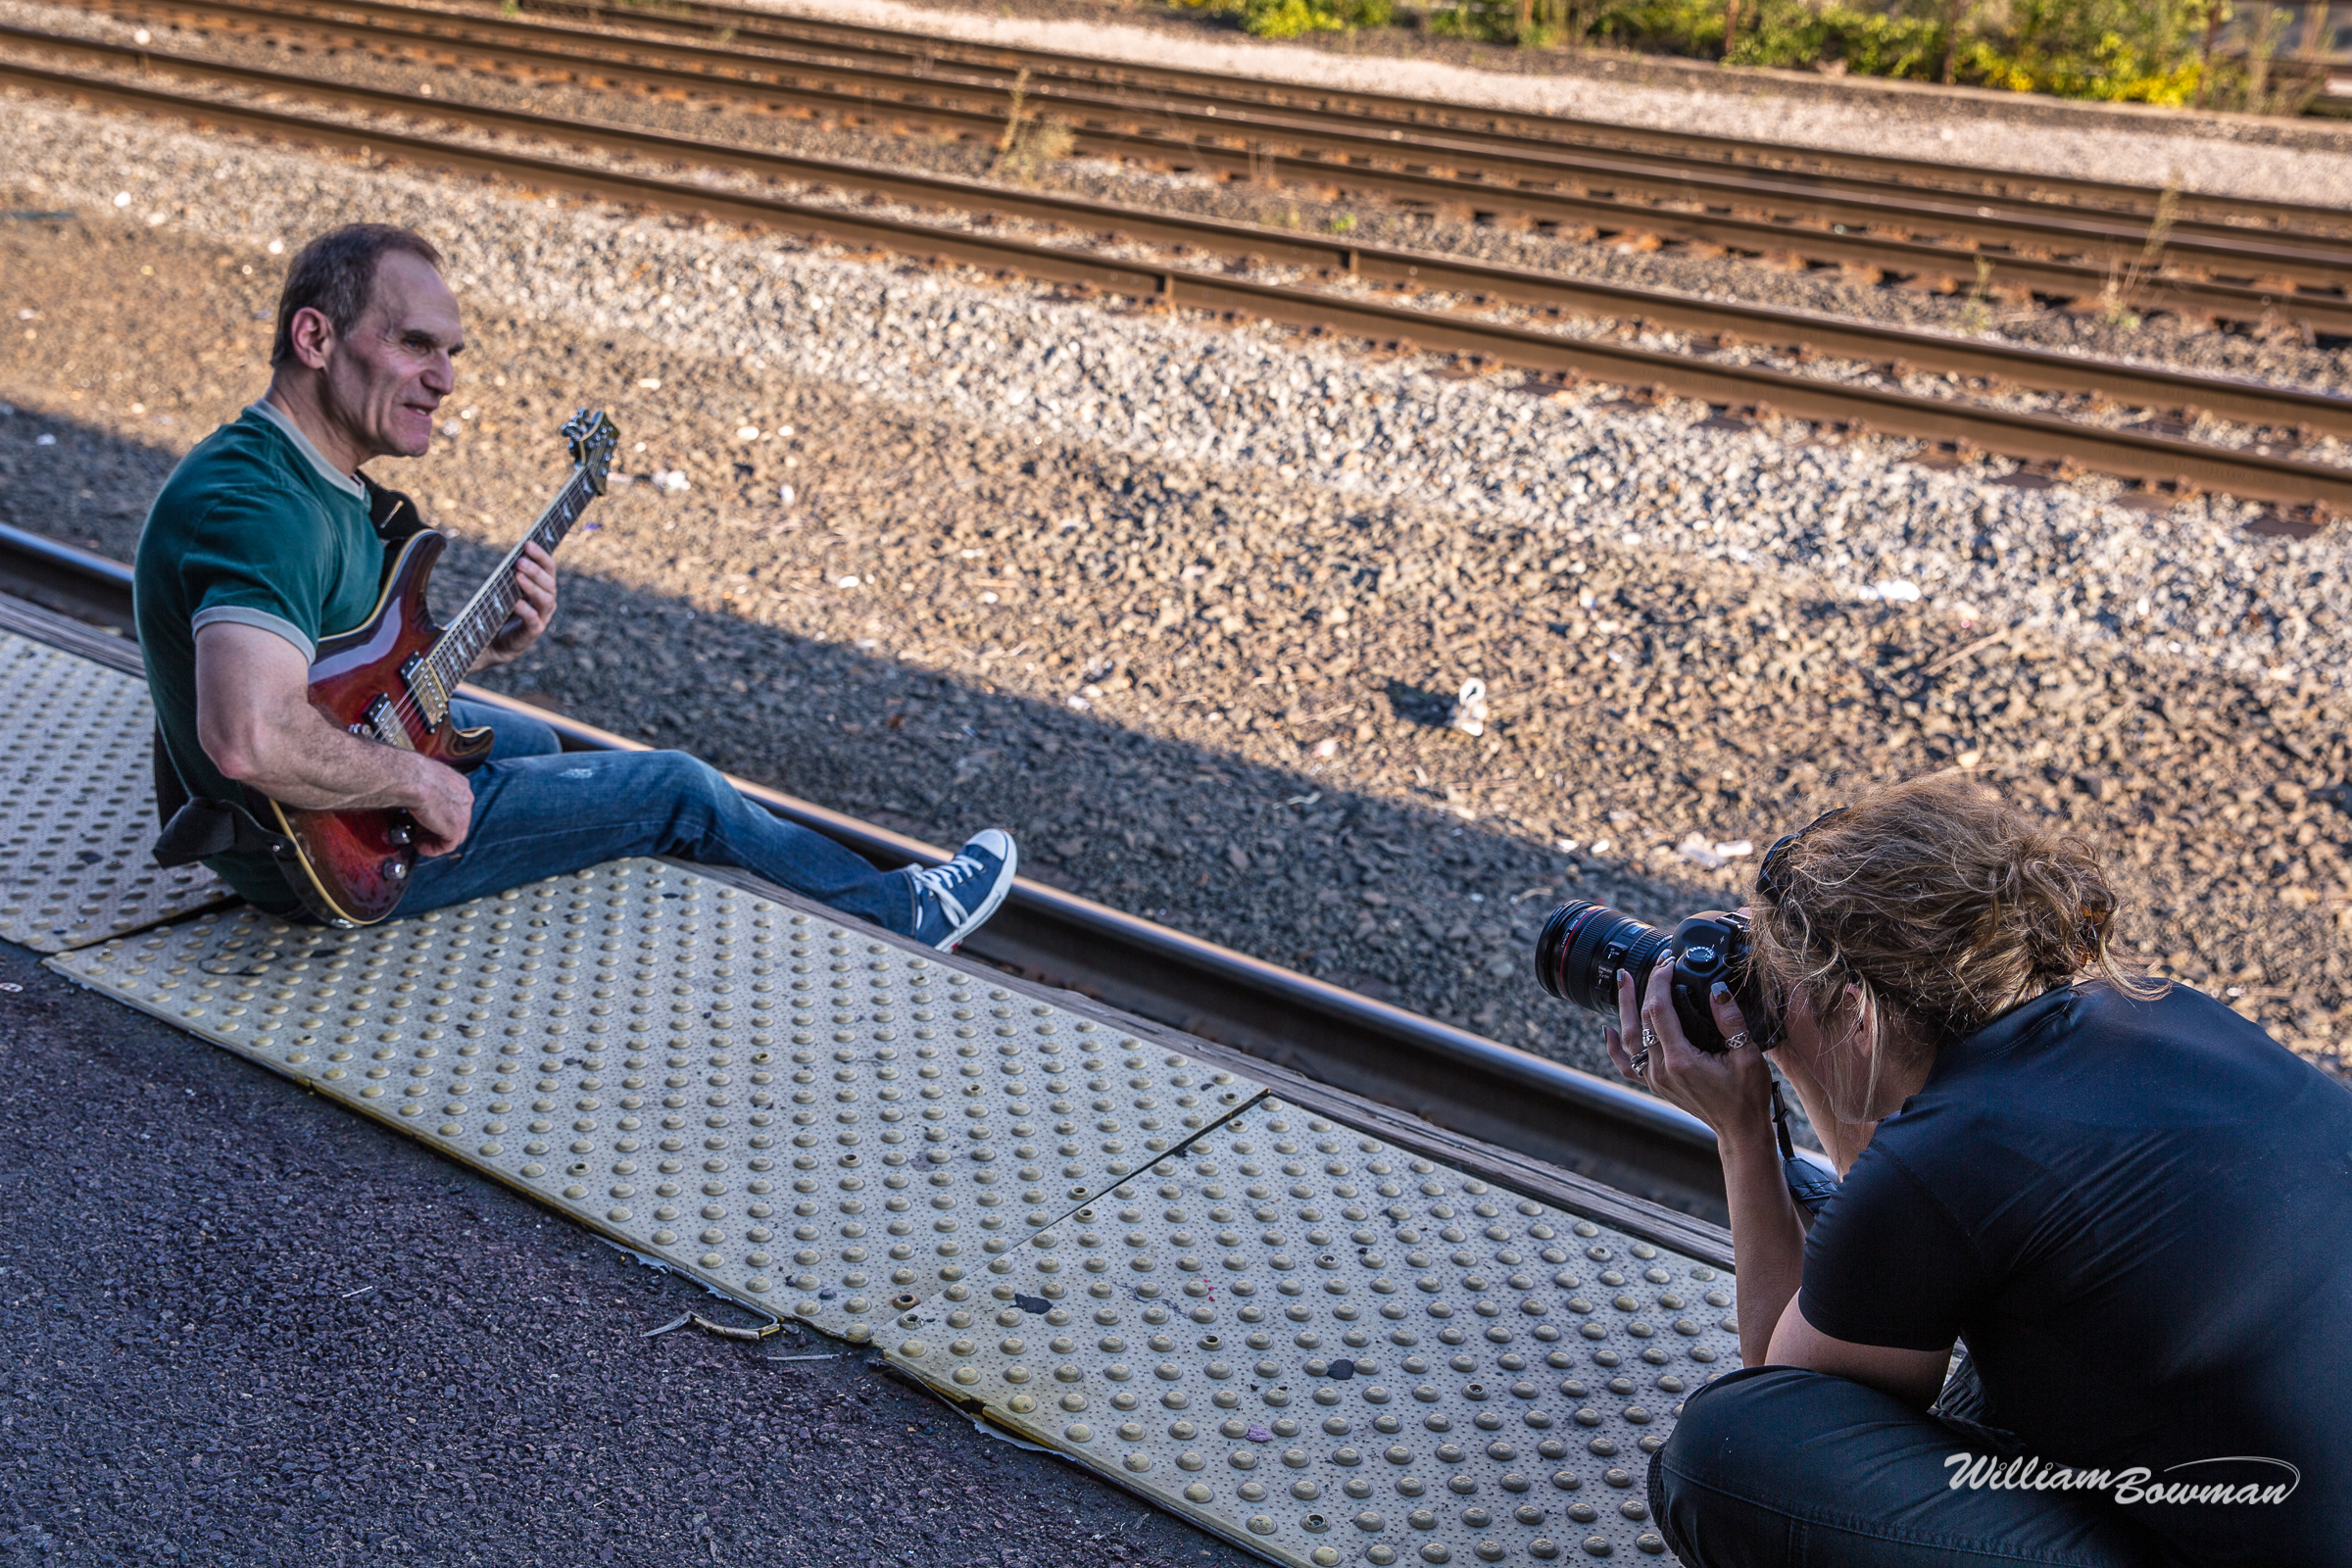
[403, 834]
[397, 871]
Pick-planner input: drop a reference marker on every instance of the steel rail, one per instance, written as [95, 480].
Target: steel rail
[1555, 1114]
[747, 24]
[1504, 167]
[1556, 185]
[1511, 160]
[2128, 454]
[2150, 386]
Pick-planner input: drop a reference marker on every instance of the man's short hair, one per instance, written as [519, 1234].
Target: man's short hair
[334, 275]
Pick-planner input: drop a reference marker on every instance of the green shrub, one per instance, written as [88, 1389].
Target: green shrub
[2143, 51]
[2116, 50]
[1791, 33]
[1288, 19]
[1535, 23]
[1669, 26]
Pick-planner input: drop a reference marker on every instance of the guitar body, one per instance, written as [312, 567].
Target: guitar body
[373, 682]
[390, 680]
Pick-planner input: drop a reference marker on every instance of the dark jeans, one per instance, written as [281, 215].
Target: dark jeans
[1777, 1466]
[539, 812]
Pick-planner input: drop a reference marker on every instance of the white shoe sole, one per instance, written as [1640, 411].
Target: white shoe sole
[974, 919]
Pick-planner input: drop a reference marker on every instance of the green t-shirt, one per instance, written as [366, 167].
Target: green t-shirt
[254, 527]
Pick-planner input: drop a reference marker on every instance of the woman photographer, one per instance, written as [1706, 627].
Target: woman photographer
[2131, 1207]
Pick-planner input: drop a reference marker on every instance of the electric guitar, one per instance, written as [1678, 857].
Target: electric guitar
[390, 680]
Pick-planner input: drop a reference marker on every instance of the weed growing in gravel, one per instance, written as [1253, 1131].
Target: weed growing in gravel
[1012, 116]
[2119, 301]
[1033, 146]
[1977, 314]
[1028, 144]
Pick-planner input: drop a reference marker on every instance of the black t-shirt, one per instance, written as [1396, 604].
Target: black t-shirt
[2138, 1214]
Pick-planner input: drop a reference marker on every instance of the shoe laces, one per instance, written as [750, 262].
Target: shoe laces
[941, 881]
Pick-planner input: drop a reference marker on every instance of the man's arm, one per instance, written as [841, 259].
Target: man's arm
[254, 720]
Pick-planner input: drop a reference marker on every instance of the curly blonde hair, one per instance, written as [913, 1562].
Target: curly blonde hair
[1945, 906]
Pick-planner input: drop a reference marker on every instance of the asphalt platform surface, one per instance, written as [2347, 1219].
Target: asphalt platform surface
[241, 1326]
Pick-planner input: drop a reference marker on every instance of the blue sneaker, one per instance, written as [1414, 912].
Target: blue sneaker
[951, 901]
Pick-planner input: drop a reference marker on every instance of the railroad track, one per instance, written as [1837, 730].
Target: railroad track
[904, 53]
[1524, 1111]
[2231, 259]
[2134, 454]
[767, 28]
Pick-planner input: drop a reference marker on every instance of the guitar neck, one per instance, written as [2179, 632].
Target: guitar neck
[471, 630]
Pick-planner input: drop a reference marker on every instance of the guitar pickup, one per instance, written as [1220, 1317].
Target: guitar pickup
[382, 723]
[425, 686]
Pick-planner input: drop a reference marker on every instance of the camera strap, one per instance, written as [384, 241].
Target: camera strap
[1808, 1184]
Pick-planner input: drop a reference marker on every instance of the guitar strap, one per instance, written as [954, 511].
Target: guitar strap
[394, 517]
[196, 828]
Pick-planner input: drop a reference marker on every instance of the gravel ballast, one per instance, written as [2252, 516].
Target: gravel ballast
[1562, 470]
[1184, 606]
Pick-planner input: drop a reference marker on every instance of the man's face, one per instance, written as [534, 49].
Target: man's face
[385, 379]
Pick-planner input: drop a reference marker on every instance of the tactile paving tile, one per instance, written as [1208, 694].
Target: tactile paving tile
[815, 1122]
[1333, 1350]
[76, 861]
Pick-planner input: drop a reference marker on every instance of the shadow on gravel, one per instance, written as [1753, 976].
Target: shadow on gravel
[1432, 710]
[1412, 901]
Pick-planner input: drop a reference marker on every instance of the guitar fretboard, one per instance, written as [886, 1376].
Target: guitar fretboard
[464, 639]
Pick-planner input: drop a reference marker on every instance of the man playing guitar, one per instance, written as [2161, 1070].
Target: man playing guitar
[266, 540]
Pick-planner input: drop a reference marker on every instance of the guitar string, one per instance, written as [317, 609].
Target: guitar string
[471, 621]
[404, 703]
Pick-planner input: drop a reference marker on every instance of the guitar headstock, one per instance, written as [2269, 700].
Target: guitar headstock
[593, 443]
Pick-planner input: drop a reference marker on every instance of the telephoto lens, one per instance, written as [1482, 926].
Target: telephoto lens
[1584, 945]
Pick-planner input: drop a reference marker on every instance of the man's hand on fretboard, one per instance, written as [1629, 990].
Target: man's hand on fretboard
[534, 608]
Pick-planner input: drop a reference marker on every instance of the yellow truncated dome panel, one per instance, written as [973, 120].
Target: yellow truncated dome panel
[76, 771]
[815, 1120]
[1322, 1346]
[1337, 1352]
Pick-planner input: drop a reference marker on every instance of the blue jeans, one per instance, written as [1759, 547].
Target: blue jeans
[1775, 1467]
[539, 812]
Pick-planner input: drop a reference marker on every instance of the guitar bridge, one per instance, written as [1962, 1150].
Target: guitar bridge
[424, 685]
[381, 722]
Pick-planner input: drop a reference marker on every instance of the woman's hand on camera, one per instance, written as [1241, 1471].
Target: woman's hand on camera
[1730, 1090]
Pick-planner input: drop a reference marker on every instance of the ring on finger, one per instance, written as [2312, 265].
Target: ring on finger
[1640, 1063]
[1649, 1041]
[1737, 1042]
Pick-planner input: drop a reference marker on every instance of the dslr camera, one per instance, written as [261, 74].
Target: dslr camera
[1584, 945]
